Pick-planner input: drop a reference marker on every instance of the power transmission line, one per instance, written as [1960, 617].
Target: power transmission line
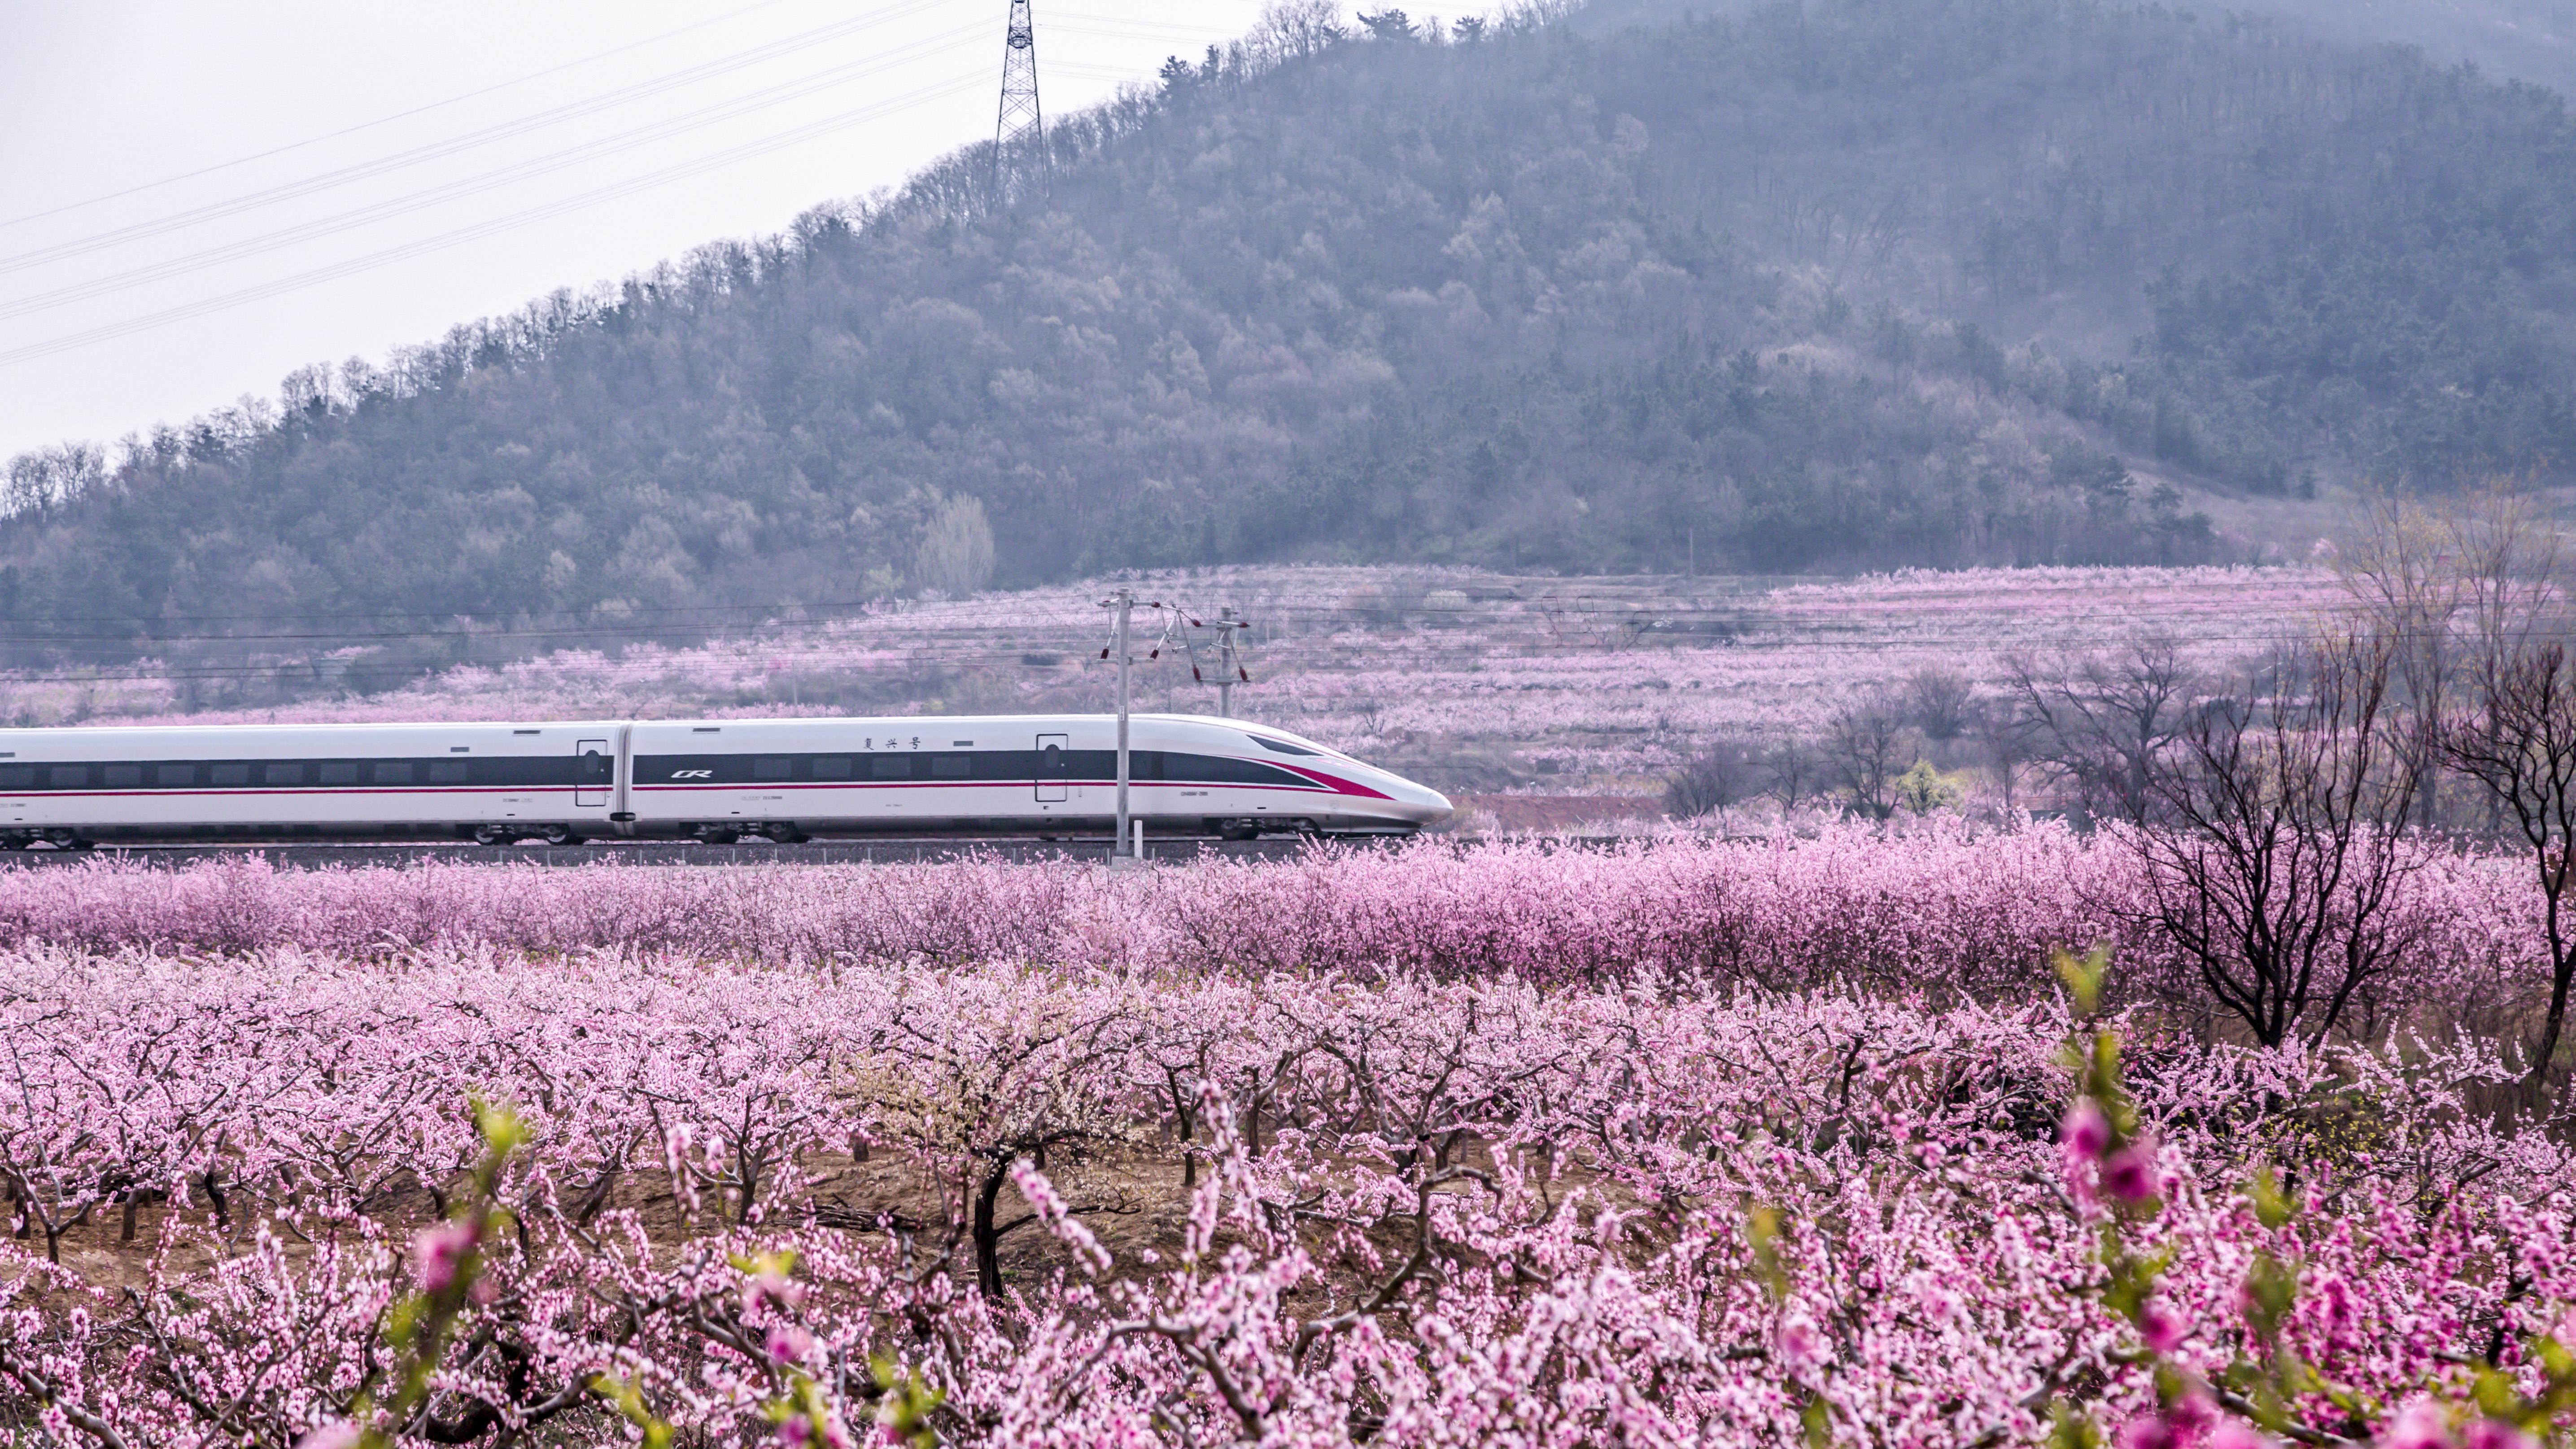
[308, 186]
[439, 195]
[478, 231]
[497, 86]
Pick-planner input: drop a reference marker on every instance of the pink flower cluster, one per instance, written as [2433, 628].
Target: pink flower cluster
[1478, 1210]
[1943, 909]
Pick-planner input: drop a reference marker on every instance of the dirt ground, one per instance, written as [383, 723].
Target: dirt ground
[1129, 1195]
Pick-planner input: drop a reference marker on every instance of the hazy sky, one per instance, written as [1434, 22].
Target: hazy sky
[429, 164]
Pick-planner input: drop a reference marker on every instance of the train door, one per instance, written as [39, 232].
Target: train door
[594, 774]
[1055, 767]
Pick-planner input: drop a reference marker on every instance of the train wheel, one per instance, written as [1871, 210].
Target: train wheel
[487, 835]
[1239, 830]
[781, 832]
[561, 835]
[718, 835]
[61, 839]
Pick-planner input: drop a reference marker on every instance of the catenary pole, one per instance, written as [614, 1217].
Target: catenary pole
[1225, 663]
[1123, 601]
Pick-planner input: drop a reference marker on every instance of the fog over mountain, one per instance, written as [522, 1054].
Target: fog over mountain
[1777, 287]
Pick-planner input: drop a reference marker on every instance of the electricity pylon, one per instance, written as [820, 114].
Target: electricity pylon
[1020, 162]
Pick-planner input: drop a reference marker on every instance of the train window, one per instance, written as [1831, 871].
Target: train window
[174, 774]
[392, 772]
[1224, 770]
[951, 767]
[831, 767]
[123, 777]
[447, 772]
[774, 768]
[67, 777]
[282, 774]
[230, 774]
[594, 769]
[890, 767]
[1283, 747]
[339, 772]
[17, 777]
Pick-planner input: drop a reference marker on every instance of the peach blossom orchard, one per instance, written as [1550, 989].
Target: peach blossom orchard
[1583, 684]
[1781, 1143]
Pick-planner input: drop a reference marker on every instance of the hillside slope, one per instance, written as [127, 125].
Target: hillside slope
[1828, 285]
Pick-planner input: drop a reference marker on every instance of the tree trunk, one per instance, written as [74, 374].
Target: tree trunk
[2537, 1083]
[988, 1239]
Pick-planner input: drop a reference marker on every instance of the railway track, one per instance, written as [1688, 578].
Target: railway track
[891, 850]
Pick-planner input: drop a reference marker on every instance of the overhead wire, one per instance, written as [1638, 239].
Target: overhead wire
[1122, 28]
[406, 251]
[433, 196]
[478, 231]
[439, 195]
[405, 115]
[287, 191]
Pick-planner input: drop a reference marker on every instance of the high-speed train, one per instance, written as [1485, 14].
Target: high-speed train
[711, 780]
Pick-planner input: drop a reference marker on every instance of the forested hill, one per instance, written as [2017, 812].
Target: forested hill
[1854, 282]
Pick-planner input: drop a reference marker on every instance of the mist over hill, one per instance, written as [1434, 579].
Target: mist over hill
[1841, 284]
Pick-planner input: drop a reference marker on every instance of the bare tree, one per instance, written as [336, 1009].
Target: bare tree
[2405, 570]
[2103, 722]
[1867, 749]
[1722, 775]
[1938, 702]
[2006, 733]
[1293, 29]
[2278, 851]
[2516, 736]
[1791, 773]
[2520, 743]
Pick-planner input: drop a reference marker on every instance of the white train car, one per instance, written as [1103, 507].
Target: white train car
[713, 780]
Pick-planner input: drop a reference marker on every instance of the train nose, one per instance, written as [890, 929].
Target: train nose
[1428, 806]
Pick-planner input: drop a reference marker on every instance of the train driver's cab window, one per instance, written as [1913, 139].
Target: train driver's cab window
[391, 772]
[952, 767]
[890, 767]
[776, 767]
[831, 767]
[1283, 747]
[229, 774]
